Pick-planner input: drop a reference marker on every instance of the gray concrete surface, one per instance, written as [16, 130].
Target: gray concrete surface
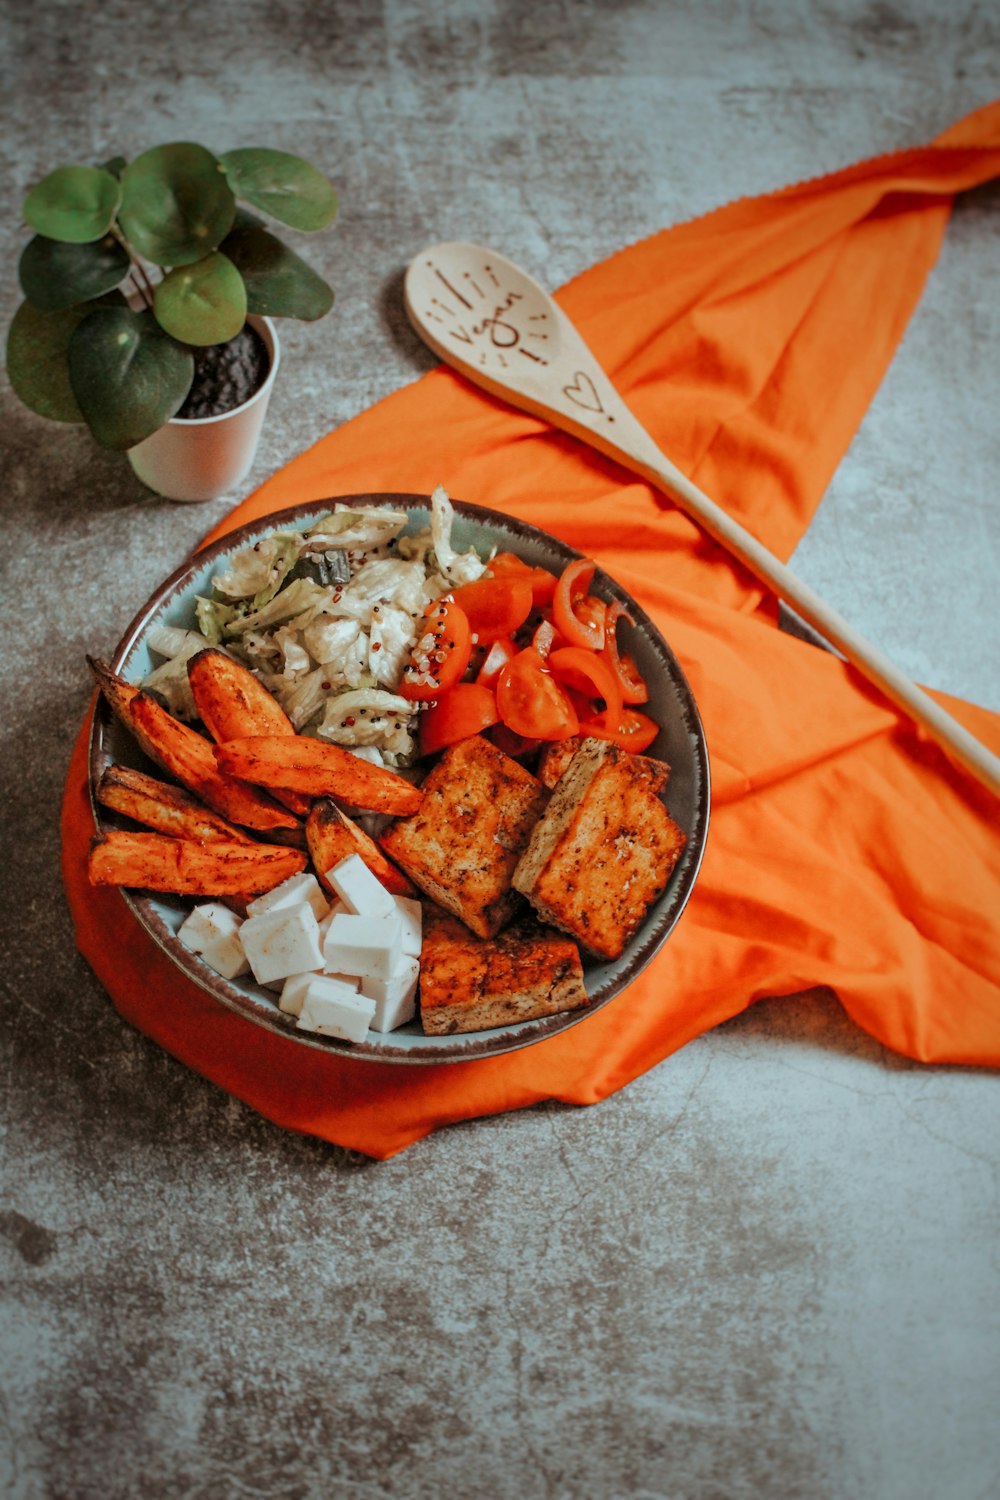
[767, 1269]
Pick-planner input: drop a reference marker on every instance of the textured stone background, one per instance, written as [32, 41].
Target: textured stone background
[770, 1267]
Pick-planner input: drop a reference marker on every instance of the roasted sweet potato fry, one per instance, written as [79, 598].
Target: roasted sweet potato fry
[188, 755]
[155, 862]
[331, 836]
[320, 769]
[164, 807]
[233, 705]
[117, 692]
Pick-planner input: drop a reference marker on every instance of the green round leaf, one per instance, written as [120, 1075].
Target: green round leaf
[38, 360]
[54, 274]
[202, 304]
[176, 204]
[278, 283]
[284, 186]
[76, 204]
[128, 376]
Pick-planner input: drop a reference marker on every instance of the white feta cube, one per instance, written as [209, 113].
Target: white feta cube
[395, 997]
[282, 942]
[331, 1009]
[324, 922]
[352, 981]
[411, 916]
[297, 888]
[212, 931]
[367, 946]
[362, 893]
[293, 993]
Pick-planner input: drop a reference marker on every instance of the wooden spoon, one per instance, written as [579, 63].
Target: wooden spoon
[487, 318]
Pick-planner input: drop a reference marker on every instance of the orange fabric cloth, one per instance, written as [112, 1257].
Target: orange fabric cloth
[844, 850]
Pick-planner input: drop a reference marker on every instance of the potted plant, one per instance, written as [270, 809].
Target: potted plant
[149, 292]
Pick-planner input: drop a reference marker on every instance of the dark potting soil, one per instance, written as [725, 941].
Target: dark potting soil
[226, 375]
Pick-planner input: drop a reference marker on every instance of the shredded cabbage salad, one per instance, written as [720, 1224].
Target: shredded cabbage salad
[326, 619]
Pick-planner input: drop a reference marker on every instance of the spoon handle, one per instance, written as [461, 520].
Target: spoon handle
[953, 737]
[562, 382]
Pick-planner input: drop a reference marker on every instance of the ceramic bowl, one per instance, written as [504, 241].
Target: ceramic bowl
[681, 743]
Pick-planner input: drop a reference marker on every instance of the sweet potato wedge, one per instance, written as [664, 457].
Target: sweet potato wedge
[187, 755]
[331, 836]
[233, 704]
[117, 693]
[164, 807]
[155, 862]
[320, 769]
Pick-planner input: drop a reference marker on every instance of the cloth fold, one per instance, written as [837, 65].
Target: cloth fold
[844, 851]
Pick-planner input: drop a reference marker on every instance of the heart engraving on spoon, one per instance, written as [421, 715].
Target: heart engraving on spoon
[583, 392]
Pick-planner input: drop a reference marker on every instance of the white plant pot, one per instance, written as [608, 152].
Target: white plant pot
[205, 457]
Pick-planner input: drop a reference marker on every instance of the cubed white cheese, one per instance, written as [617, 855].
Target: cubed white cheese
[324, 922]
[395, 997]
[282, 942]
[297, 888]
[411, 916]
[293, 993]
[362, 893]
[213, 932]
[367, 946]
[352, 981]
[331, 1009]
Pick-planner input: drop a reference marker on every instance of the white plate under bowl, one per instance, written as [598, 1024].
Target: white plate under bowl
[681, 743]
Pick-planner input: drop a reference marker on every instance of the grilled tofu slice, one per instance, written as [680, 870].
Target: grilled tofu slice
[556, 758]
[470, 984]
[473, 825]
[603, 850]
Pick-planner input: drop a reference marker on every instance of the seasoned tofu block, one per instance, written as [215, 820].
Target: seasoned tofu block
[460, 848]
[556, 758]
[469, 983]
[603, 850]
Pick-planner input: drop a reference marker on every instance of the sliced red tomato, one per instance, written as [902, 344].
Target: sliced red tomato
[496, 658]
[495, 606]
[546, 638]
[592, 612]
[440, 655]
[465, 709]
[585, 672]
[632, 730]
[634, 690]
[543, 583]
[531, 702]
[578, 622]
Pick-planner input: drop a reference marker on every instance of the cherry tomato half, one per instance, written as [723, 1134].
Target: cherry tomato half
[543, 583]
[496, 658]
[634, 690]
[587, 673]
[531, 702]
[464, 710]
[546, 638]
[440, 655]
[576, 621]
[495, 606]
[632, 730]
